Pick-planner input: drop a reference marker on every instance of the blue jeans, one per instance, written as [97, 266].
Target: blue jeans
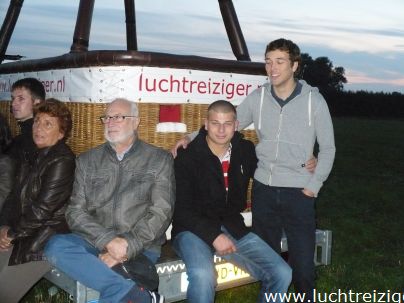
[277, 209]
[79, 259]
[253, 255]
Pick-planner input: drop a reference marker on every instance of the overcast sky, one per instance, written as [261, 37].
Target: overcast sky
[366, 37]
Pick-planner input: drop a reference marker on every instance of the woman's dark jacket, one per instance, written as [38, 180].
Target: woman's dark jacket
[202, 204]
[35, 208]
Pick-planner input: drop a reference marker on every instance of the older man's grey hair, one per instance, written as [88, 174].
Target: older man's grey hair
[134, 111]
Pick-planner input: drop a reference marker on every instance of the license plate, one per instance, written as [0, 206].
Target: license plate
[226, 272]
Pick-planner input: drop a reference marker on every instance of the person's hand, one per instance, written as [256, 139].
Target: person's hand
[223, 245]
[184, 141]
[5, 241]
[118, 248]
[311, 164]
[108, 259]
[308, 192]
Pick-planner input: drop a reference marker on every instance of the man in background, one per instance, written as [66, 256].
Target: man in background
[25, 93]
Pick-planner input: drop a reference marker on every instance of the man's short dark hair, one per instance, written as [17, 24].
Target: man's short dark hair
[222, 106]
[287, 46]
[33, 85]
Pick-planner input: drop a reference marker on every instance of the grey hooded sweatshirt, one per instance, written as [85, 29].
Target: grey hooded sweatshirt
[287, 136]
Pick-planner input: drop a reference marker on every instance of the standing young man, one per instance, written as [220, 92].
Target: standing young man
[212, 177]
[289, 116]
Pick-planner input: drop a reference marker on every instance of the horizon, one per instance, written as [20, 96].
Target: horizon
[366, 40]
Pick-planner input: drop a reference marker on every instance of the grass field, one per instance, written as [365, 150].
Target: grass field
[362, 203]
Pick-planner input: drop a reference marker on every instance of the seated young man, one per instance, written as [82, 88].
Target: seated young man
[212, 177]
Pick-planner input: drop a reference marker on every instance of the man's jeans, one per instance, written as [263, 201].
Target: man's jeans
[278, 209]
[79, 259]
[253, 255]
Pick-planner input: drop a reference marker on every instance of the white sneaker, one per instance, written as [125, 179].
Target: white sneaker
[156, 297]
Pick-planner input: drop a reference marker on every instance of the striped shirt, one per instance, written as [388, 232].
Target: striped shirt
[225, 160]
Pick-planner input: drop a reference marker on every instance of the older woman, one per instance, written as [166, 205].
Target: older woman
[34, 210]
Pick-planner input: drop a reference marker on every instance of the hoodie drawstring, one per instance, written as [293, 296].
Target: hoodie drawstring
[262, 101]
[309, 107]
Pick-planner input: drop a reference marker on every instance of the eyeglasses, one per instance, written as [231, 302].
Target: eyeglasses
[116, 118]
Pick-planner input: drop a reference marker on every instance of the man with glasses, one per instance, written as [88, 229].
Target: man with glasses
[121, 205]
[212, 177]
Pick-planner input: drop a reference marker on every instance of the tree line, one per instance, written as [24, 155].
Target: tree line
[330, 80]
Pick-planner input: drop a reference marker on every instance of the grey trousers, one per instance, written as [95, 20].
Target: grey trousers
[16, 280]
